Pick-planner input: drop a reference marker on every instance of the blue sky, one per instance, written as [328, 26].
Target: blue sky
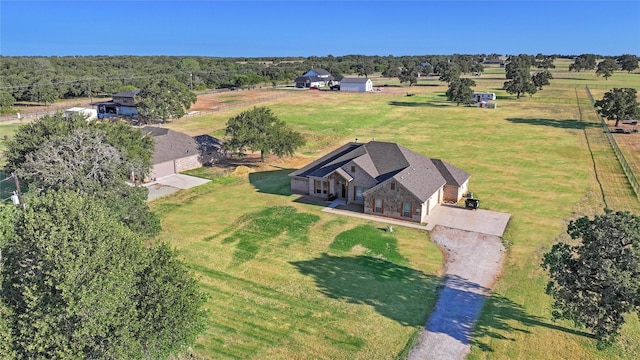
[313, 28]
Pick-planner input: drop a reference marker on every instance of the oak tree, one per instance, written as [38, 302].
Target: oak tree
[606, 68]
[541, 78]
[78, 284]
[259, 129]
[618, 104]
[460, 91]
[518, 71]
[628, 62]
[595, 280]
[164, 98]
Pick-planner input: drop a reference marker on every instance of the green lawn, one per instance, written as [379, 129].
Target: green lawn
[528, 157]
[287, 280]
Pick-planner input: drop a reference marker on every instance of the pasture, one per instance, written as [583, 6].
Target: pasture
[288, 281]
[306, 298]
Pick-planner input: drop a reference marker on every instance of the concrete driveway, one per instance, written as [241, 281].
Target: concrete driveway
[479, 220]
[170, 184]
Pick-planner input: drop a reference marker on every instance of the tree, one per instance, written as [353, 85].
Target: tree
[259, 129]
[30, 136]
[606, 68]
[447, 71]
[596, 281]
[43, 92]
[518, 71]
[409, 74]
[135, 148]
[460, 90]
[618, 104]
[80, 161]
[628, 62]
[365, 68]
[88, 158]
[541, 78]
[78, 284]
[164, 98]
[544, 62]
[583, 62]
[6, 101]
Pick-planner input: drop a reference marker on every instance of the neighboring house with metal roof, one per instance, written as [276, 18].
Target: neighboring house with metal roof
[386, 178]
[356, 84]
[175, 151]
[314, 78]
[122, 104]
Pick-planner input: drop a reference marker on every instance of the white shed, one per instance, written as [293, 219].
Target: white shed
[89, 114]
[356, 84]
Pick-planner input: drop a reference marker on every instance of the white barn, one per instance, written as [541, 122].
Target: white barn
[356, 84]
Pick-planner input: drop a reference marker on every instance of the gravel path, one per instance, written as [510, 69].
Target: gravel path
[473, 260]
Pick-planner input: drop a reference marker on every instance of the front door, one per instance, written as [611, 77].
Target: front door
[344, 190]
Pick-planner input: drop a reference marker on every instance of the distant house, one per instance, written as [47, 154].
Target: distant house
[386, 178]
[314, 78]
[356, 84]
[175, 152]
[122, 104]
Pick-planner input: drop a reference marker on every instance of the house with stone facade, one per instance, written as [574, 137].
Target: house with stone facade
[175, 151]
[386, 178]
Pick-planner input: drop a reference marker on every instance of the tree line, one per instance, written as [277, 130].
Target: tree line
[47, 79]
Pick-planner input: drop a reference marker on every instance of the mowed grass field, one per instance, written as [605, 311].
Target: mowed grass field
[288, 281]
[311, 298]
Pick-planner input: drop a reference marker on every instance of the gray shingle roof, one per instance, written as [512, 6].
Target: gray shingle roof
[420, 175]
[170, 145]
[352, 80]
[319, 71]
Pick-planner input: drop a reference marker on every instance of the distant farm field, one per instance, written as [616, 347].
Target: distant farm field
[282, 284]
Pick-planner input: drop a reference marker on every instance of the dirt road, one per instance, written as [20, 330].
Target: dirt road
[473, 261]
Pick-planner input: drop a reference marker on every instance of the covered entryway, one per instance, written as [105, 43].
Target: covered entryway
[339, 183]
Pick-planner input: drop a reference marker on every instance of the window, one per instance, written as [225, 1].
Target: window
[393, 186]
[378, 206]
[406, 209]
[358, 195]
[320, 186]
[353, 169]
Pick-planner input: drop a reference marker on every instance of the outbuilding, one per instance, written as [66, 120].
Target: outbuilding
[356, 84]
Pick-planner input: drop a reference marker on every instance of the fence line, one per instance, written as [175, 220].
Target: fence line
[631, 176]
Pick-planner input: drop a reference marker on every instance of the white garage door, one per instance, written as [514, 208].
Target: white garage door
[163, 169]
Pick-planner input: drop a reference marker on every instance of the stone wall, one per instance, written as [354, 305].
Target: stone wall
[392, 202]
[360, 178]
[300, 185]
[188, 163]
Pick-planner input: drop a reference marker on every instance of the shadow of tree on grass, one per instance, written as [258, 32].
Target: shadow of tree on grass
[419, 104]
[272, 182]
[562, 124]
[396, 292]
[409, 296]
[502, 315]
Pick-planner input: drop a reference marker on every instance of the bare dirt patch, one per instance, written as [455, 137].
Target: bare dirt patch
[216, 100]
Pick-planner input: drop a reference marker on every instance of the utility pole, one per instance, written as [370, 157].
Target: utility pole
[90, 94]
[17, 182]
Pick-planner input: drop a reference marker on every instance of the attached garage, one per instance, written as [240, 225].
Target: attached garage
[163, 169]
[176, 152]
